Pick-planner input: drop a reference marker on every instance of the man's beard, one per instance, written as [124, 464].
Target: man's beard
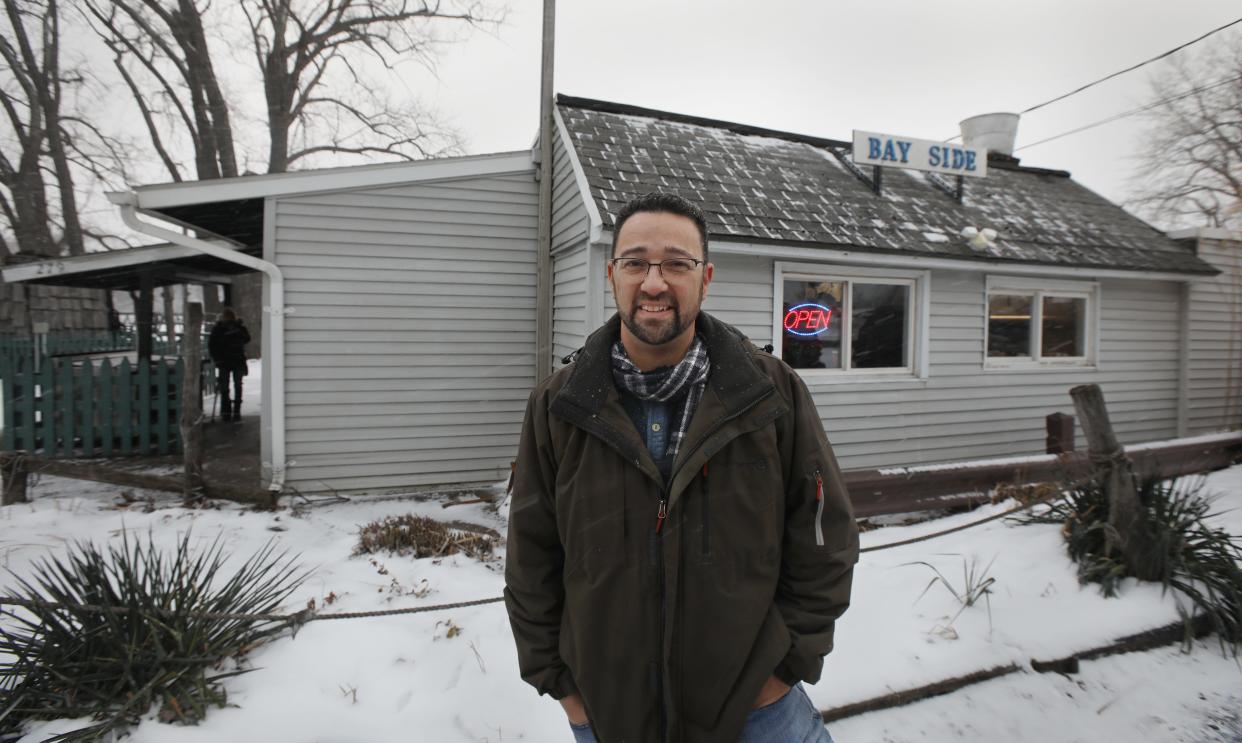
[658, 335]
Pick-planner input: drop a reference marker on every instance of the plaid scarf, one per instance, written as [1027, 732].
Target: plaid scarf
[662, 385]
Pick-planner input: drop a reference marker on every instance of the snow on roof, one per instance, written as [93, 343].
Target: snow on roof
[766, 185]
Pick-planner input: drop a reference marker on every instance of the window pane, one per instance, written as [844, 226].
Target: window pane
[1063, 326]
[1009, 325]
[812, 321]
[878, 326]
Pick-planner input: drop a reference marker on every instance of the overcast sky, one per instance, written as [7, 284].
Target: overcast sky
[827, 67]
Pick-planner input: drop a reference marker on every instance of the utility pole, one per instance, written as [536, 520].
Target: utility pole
[543, 254]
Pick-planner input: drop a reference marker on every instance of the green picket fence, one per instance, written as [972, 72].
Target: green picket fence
[69, 408]
[65, 344]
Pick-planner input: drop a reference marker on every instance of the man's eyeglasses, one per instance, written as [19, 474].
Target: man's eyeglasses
[670, 268]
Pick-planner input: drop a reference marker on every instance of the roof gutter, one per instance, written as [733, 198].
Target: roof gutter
[128, 203]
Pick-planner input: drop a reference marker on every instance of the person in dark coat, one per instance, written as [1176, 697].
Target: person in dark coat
[681, 542]
[227, 346]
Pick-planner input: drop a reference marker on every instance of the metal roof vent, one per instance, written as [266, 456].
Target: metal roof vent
[992, 132]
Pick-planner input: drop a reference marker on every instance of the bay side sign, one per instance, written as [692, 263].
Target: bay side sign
[887, 150]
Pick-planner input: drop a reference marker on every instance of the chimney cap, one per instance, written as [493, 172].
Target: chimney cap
[994, 132]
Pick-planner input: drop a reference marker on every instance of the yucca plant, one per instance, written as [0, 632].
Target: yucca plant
[159, 638]
[1201, 561]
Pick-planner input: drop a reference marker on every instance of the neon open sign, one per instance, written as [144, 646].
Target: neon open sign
[807, 319]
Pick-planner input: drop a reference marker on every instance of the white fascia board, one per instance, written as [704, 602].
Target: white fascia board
[584, 188]
[1205, 233]
[863, 258]
[328, 179]
[94, 262]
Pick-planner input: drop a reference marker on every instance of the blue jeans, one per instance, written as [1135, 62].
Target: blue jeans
[790, 719]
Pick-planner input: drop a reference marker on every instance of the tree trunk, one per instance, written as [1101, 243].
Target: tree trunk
[192, 406]
[1128, 533]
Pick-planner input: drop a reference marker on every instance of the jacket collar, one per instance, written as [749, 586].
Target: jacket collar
[735, 378]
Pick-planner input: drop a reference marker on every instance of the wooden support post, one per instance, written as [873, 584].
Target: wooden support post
[15, 470]
[1060, 433]
[1128, 533]
[142, 315]
[192, 405]
[169, 293]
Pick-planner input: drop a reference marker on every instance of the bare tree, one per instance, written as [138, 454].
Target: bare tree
[322, 65]
[37, 145]
[299, 46]
[161, 52]
[1192, 155]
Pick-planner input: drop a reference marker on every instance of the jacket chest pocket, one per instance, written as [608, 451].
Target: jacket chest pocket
[594, 517]
[738, 512]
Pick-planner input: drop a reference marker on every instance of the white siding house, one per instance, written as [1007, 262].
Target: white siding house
[410, 353]
[409, 313]
[409, 303]
[1213, 331]
[783, 210]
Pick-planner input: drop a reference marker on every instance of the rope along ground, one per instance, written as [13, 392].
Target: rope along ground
[297, 619]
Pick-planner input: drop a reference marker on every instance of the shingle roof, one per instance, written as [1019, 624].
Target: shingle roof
[761, 185]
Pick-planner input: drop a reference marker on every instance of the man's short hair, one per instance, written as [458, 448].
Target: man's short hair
[658, 201]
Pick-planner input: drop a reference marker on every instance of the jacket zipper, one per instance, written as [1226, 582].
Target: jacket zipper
[707, 521]
[819, 508]
[661, 687]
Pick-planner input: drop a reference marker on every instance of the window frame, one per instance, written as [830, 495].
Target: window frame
[1038, 289]
[918, 310]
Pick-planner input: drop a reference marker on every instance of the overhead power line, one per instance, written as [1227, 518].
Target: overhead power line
[1133, 111]
[1131, 68]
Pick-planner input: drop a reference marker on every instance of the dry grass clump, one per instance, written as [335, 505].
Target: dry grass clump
[1025, 494]
[422, 537]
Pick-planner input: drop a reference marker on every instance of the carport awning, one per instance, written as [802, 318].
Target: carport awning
[124, 269]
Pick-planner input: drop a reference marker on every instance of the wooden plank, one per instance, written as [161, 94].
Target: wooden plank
[25, 372]
[47, 408]
[160, 403]
[8, 385]
[144, 406]
[88, 385]
[901, 490]
[107, 408]
[67, 409]
[125, 396]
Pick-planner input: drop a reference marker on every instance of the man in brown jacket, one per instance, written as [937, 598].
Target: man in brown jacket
[680, 539]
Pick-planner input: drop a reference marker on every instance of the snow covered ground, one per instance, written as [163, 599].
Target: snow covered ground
[410, 678]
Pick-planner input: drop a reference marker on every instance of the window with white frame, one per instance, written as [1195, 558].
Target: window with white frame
[1040, 322]
[849, 321]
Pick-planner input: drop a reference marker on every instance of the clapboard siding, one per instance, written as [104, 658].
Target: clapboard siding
[962, 411]
[741, 294]
[569, 290]
[410, 348]
[570, 223]
[1215, 368]
[570, 266]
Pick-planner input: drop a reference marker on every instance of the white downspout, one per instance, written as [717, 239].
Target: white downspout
[128, 203]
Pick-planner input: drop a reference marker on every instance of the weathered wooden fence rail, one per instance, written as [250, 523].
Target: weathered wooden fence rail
[68, 408]
[906, 489]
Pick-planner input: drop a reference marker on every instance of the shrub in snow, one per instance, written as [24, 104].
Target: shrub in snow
[422, 537]
[976, 584]
[1200, 561]
[158, 641]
